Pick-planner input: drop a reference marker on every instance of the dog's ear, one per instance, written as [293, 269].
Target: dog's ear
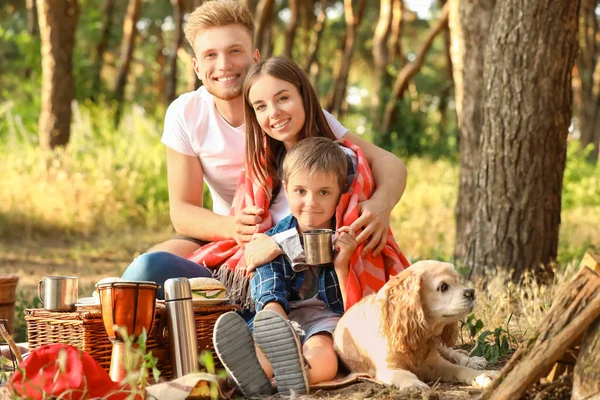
[404, 323]
[449, 335]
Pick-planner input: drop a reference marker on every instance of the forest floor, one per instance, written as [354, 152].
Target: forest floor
[99, 257]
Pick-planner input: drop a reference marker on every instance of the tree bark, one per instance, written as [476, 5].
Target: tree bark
[57, 22]
[341, 80]
[527, 112]
[307, 16]
[264, 14]
[171, 81]
[109, 7]
[381, 55]
[291, 28]
[410, 69]
[575, 307]
[586, 376]
[589, 74]
[396, 34]
[313, 49]
[250, 5]
[469, 23]
[127, 47]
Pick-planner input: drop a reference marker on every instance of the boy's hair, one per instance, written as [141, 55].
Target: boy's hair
[317, 155]
[218, 13]
[261, 149]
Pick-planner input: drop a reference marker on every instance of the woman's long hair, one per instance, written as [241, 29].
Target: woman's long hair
[261, 149]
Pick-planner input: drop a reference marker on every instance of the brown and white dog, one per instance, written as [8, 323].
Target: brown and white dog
[401, 335]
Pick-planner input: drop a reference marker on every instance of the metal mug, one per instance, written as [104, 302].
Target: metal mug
[318, 247]
[59, 293]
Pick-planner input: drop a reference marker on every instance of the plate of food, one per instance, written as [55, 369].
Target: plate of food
[207, 292]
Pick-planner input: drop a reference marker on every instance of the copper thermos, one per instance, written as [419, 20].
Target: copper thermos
[182, 326]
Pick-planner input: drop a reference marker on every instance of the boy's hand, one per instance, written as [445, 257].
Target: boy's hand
[260, 250]
[345, 244]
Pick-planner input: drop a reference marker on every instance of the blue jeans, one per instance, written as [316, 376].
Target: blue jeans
[158, 266]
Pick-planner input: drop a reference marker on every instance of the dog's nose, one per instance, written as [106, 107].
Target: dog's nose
[469, 294]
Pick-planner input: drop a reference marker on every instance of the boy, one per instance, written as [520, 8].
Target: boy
[315, 174]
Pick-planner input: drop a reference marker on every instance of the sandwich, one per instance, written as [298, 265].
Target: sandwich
[207, 288]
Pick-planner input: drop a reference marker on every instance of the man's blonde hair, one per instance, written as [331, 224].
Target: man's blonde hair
[317, 155]
[218, 13]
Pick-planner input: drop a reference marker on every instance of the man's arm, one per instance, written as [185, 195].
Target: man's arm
[185, 180]
[389, 174]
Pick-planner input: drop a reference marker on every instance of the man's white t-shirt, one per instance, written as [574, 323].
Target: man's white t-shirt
[194, 127]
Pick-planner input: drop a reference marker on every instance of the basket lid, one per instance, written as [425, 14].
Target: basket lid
[12, 278]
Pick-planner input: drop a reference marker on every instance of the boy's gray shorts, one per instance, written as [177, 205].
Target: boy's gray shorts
[312, 316]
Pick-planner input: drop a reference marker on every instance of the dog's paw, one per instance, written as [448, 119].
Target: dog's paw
[485, 379]
[476, 362]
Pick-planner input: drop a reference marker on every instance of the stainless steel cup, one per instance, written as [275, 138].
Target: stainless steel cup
[318, 247]
[58, 293]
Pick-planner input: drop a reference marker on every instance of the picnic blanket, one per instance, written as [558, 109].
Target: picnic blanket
[367, 274]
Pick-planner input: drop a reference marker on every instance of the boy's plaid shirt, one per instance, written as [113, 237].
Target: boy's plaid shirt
[277, 281]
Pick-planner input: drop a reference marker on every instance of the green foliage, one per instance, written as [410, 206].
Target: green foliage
[581, 182]
[208, 362]
[23, 302]
[137, 361]
[492, 345]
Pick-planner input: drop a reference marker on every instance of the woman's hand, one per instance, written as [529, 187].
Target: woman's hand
[260, 250]
[374, 220]
[246, 222]
[345, 245]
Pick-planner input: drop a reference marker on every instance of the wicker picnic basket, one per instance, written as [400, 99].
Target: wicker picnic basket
[8, 290]
[84, 329]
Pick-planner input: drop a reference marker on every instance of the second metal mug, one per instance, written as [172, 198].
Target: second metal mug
[58, 293]
[318, 247]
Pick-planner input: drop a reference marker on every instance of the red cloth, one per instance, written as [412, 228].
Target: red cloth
[367, 274]
[40, 376]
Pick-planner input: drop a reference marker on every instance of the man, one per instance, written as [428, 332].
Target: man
[205, 137]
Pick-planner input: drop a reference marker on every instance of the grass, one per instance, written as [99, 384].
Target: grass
[89, 210]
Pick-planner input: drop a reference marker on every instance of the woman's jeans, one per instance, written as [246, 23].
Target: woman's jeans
[158, 266]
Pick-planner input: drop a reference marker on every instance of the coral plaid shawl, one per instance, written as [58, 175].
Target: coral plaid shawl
[367, 274]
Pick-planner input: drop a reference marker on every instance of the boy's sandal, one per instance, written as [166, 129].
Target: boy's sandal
[280, 344]
[234, 346]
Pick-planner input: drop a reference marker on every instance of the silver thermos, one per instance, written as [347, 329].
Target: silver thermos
[182, 326]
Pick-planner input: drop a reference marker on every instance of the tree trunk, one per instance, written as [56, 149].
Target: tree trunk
[341, 79]
[527, 112]
[264, 14]
[161, 62]
[250, 5]
[589, 73]
[57, 22]
[307, 15]
[127, 47]
[171, 82]
[290, 30]
[32, 17]
[470, 23]
[410, 69]
[396, 34]
[313, 49]
[586, 377]
[381, 55]
[575, 307]
[109, 7]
